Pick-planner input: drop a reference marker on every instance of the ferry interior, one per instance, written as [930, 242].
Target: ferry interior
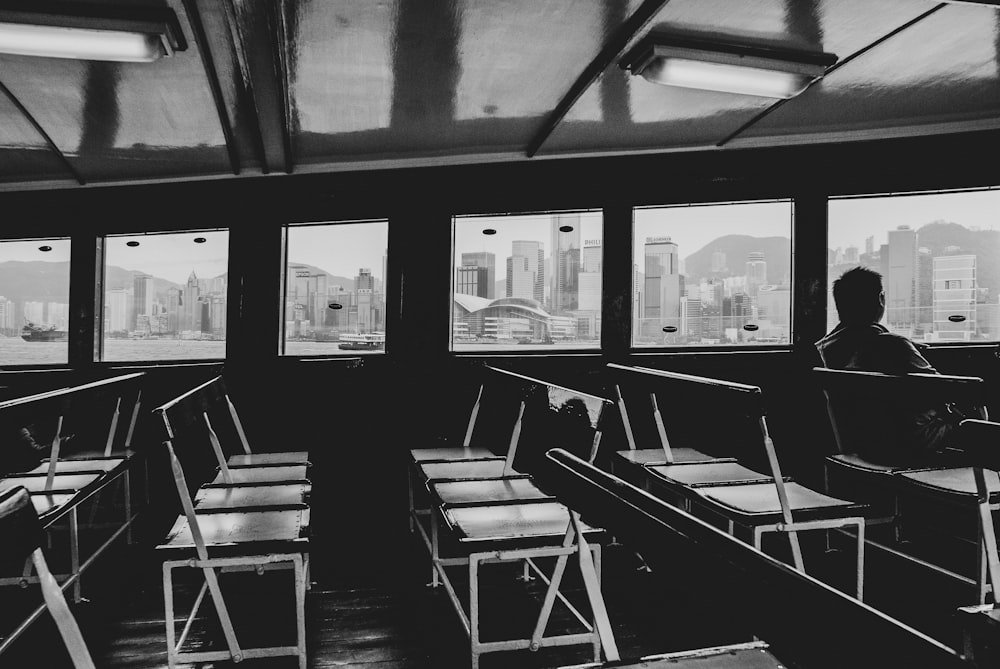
[448, 334]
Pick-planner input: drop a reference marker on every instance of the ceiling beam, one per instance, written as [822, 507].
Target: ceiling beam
[208, 64]
[612, 50]
[836, 66]
[41, 131]
[264, 78]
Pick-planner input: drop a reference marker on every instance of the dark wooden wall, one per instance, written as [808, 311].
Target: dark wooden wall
[359, 422]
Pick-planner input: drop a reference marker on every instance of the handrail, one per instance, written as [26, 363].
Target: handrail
[68, 390]
[801, 617]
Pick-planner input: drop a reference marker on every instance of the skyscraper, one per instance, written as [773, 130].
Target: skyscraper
[900, 284]
[756, 273]
[534, 252]
[520, 278]
[116, 309]
[662, 285]
[142, 296]
[589, 279]
[191, 306]
[718, 261]
[954, 280]
[564, 293]
[485, 261]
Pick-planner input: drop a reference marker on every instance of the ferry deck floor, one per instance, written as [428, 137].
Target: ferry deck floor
[383, 616]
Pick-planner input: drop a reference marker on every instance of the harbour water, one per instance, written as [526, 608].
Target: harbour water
[16, 351]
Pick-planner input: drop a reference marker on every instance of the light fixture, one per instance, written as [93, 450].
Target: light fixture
[45, 249]
[87, 31]
[199, 240]
[132, 243]
[724, 65]
[335, 305]
[489, 231]
[565, 228]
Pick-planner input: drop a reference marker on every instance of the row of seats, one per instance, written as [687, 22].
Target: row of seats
[707, 469]
[475, 507]
[82, 492]
[246, 511]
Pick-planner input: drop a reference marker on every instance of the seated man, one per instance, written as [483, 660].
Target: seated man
[886, 434]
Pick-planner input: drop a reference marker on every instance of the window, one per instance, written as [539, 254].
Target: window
[938, 254]
[34, 302]
[334, 298]
[712, 274]
[165, 296]
[527, 282]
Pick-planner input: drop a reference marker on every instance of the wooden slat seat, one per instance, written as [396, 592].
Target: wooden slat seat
[750, 655]
[692, 475]
[210, 498]
[444, 454]
[759, 502]
[504, 523]
[654, 456]
[242, 530]
[957, 485]
[741, 495]
[62, 483]
[90, 465]
[487, 491]
[263, 474]
[259, 459]
[461, 470]
[46, 503]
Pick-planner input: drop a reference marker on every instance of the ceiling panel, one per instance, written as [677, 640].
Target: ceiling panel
[125, 120]
[944, 69]
[375, 80]
[24, 153]
[638, 115]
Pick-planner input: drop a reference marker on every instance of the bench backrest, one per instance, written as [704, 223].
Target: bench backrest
[872, 413]
[203, 427]
[801, 618]
[551, 415]
[664, 409]
[98, 416]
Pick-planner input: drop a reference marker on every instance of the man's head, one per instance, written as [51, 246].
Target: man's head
[859, 297]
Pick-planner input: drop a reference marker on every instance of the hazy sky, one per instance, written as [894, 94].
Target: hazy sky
[692, 227]
[469, 237]
[171, 256]
[340, 249]
[853, 220]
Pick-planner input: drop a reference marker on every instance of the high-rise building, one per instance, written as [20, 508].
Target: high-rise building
[662, 300]
[851, 254]
[756, 273]
[191, 306]
[520, 279]
[486, 262]
[590, 276]
[564, 292]
[900, 283]
[870, 245]
[924, 294]
[472, 280]
[118, 301]
[142, 297]
[534, 253]
[955, 287]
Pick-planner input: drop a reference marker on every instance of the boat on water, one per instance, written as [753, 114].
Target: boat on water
[362, 342]
[33, 332]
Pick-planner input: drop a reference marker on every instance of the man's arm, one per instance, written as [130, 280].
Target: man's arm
[899, 356]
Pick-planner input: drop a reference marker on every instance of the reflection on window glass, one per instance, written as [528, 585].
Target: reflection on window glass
[34, 302]
[527, 281]
[334, 300]
[165, 296]
[939, 257]
[712, 274]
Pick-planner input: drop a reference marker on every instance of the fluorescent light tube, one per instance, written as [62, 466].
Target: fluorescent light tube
[84, 44]
[726, 65]
[725, 78]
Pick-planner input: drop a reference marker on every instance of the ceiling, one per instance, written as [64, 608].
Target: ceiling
[283, 86]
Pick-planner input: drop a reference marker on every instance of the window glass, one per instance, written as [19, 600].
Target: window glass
[714, 274]
[165, 296]
[527, 281]
[34, 301]
[938, 254]
[334, 299]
